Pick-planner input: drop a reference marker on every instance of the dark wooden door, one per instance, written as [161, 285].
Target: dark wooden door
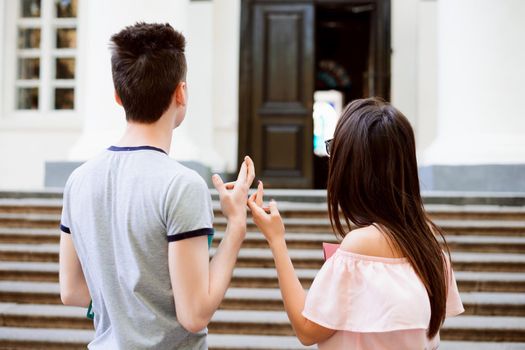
[277, 53]
[277, 71]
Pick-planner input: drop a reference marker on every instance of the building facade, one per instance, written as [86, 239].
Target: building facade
[456, 71]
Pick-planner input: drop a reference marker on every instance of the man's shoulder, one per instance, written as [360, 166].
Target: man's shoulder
[86, 167]
[186, 177]
[171, 172]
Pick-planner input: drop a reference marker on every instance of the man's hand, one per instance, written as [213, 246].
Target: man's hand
[234, 195]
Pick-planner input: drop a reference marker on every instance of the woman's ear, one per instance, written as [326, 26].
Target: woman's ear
[117, 99]
[180, 94]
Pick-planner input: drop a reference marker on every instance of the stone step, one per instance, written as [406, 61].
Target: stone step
[23, 292]
[236, 341]
[319, 196]
[300, 225]
[31, 205]
[296, 210]
[494, 304]
[310, 258]
[494, 328]
[31, 338]
[506, 282]
[476, 303]
[29, 220]
[16, 338]
[450, 227]
[248, 322]
[485, 244]
[29, 252]
[468, 345]
[302, 258]
[480, 244]
[49, 338]
[436, 211]
[29, 235]
[475, 212]
[481, 304]
[467, 281]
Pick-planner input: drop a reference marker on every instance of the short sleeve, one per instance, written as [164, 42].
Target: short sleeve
[189, 209]
[454, 304]
[65, 219]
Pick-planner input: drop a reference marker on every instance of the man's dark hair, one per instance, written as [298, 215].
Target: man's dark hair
[147, 62]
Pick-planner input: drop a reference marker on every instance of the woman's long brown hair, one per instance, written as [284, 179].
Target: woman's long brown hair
[373, 180]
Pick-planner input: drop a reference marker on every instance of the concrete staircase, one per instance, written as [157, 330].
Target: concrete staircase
[487, 240]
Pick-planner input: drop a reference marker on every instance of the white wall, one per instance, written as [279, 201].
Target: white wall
[226, 42]
[414, 66]
[427, 73]
[23, 154]
[479, 69]
[404, 57]
[28, 140]
[194, 140]
[481, 73]
[210, 132]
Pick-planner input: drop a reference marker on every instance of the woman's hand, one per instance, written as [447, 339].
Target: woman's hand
[270, 224]
[233, 195]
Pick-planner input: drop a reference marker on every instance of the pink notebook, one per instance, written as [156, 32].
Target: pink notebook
[329, 249]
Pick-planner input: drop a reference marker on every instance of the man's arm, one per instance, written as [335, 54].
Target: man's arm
[198, 284]
[73, 287]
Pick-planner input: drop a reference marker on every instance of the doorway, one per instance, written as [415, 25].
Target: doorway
[290, 50]
[342, 57]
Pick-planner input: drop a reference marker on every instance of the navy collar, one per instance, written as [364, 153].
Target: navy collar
[135, 148]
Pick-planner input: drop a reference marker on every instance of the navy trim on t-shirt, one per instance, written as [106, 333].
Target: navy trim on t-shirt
[191, 234]
[64, 229]
[135, 148]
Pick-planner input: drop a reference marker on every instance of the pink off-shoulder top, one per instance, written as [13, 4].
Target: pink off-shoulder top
[374, 303]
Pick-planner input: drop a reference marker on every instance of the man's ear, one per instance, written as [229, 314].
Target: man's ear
[180, 94]
[117, 98]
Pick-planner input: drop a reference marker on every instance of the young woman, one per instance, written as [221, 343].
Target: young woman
[389, 285]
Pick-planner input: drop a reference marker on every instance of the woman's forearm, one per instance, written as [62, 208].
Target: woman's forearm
[294, 297]
[291, 289]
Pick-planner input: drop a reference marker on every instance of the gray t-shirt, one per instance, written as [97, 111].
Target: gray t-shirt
[122, 209]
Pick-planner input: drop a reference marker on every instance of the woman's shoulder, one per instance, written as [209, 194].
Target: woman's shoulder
[364, 281]
[370, 241]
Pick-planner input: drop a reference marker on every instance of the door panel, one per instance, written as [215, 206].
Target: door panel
[282, 88]
[275, 137]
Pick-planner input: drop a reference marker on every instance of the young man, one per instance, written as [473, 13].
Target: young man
[135, 223]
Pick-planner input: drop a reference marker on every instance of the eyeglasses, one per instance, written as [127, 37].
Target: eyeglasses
[328, 144]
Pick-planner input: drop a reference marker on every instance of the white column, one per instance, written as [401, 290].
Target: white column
[226, 41]
[481, 74]
[194, 139]
[404, 56]
[104, 119]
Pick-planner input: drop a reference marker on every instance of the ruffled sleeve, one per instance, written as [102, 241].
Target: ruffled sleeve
[454, 304]
[359, 293]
